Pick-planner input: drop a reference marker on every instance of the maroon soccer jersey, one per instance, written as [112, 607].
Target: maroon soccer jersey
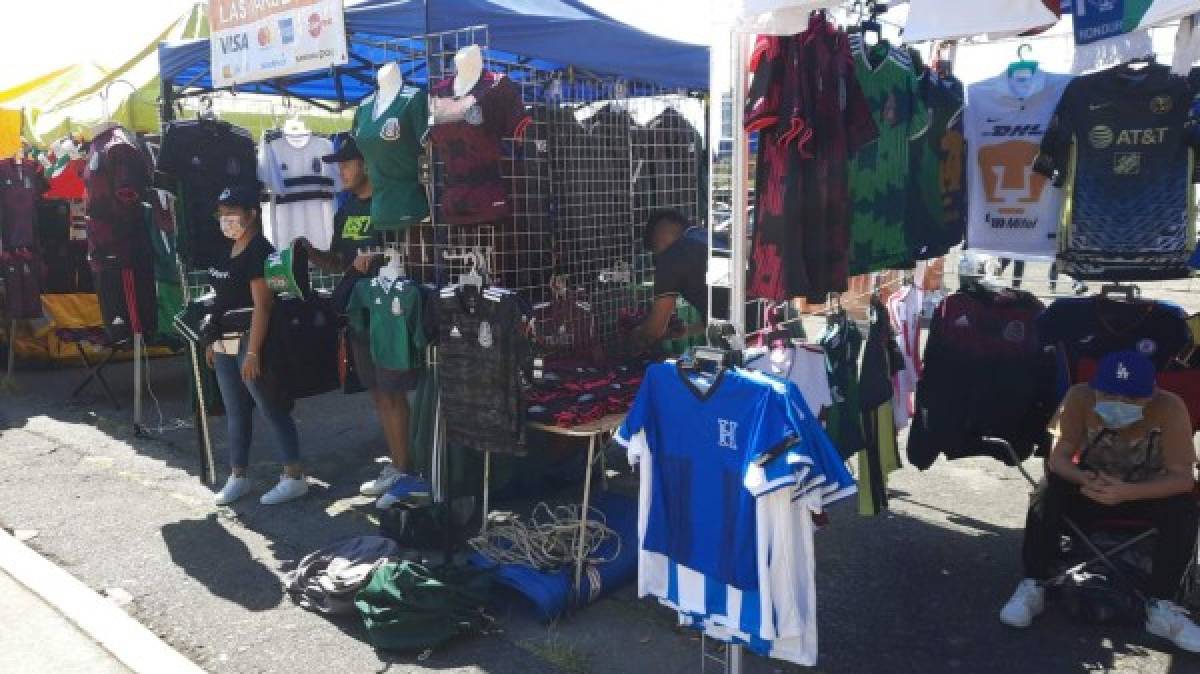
[467, 134]
[811, 116]
[20, 183]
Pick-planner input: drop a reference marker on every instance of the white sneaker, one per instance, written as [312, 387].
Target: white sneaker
[1169, 620]
[379, 486]
[289, 488]
[1027, 603]
[235, 488]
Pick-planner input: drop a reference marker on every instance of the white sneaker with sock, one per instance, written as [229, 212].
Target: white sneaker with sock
[379, 486]
[1171, 621]
[235, 488]
[1027, 603]
[288, 489]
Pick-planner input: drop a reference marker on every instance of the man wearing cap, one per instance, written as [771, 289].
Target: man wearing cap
[680, 263]
[352, 232]
[1123, 450]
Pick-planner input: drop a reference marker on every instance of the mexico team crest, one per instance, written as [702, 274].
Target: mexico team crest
[390, 129]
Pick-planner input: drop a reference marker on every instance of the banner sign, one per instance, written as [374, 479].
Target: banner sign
[255, 40]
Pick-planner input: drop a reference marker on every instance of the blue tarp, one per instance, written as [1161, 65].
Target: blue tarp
[554, 33]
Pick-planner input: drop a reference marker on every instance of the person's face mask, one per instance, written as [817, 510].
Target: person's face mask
[1116, 414]
[232, 227]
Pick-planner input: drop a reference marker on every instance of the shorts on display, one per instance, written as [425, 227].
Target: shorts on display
[380, 378]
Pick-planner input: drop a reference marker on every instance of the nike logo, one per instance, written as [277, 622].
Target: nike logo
[1098, 106]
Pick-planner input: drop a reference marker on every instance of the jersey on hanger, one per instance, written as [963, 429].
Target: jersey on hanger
[1119, 146]
[879, 172]
[801, 364]
[706, 441]
[393, 313]
[1011, 209]
[205, 156]
[301, 186]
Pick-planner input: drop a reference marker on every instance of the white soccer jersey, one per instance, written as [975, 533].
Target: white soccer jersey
[301, 188]
[801, 364]
[1012, 211]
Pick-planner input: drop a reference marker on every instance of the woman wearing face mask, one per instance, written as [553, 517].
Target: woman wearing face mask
[1123, 450]
[237, 359]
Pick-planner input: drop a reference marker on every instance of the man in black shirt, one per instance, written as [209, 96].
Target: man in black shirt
[352, 227]
[680, 264]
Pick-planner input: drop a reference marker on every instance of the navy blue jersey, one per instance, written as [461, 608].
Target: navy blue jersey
[1119, 143]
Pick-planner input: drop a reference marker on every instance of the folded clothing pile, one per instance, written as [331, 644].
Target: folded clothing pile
[572, 393]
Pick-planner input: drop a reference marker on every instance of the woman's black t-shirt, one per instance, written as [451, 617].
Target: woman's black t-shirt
[231, 277]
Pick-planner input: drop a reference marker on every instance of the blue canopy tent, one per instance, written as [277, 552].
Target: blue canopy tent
[546, 34]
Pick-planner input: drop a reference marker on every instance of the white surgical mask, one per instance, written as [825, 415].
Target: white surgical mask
[232, 227]
[1116, 414]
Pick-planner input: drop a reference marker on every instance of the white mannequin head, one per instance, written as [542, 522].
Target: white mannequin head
[468, 68]
[389, 77]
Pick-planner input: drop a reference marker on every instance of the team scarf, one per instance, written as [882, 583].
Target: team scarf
[1108, 32]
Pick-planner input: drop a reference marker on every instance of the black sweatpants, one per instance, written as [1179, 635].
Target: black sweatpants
[1175, 517]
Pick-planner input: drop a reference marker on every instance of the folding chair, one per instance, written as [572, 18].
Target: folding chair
[95, 368]
[1104, 557]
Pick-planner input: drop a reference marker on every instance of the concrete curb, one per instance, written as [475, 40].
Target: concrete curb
[125, 638]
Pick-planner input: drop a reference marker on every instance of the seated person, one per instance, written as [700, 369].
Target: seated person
[1135, 461]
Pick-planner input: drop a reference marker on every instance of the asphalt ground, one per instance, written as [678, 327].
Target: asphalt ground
[914, 590]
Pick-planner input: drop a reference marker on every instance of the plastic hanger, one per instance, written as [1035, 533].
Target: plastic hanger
[1023, 64]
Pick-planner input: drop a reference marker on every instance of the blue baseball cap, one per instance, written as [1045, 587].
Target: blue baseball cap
[1125, 373]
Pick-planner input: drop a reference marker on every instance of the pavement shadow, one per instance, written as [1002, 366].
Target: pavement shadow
[217, 559]
[905, 594]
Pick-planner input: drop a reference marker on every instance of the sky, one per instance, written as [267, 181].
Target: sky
[108, 32]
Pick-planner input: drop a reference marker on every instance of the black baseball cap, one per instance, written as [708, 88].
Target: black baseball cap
[238, 195]
[347, 149]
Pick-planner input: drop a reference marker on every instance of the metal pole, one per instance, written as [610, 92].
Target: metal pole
[741, 199]
[139, 351]
[738, 228]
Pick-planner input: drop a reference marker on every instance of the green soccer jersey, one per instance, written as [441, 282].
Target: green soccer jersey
[390, 313]
[878, 171]
[391, 145]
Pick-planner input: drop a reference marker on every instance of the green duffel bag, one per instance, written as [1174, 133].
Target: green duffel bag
[407, 606]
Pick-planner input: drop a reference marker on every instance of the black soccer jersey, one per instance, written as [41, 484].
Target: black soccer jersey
[483, 354]
[205, 157]
[1094, 327]
[1118, 143]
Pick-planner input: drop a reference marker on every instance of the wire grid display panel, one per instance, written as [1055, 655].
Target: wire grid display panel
[597, 157]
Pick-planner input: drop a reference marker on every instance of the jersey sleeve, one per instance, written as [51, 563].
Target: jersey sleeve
[416, 322]
[773, 460]
[920, 119]
[765, 97]
[506, 110]
[632, 433]
[860, 123]
[170, 152]
[268, 173]
[1056, 143]
[355, 307]
[418, 114]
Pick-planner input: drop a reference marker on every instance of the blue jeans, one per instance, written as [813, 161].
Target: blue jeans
[240, 398]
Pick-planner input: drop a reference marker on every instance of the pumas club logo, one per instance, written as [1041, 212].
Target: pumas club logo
[390, 129]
